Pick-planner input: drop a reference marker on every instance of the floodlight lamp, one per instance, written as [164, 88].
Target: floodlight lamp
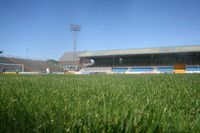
[74, 27]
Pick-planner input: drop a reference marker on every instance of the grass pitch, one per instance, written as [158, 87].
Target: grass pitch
[100, 103]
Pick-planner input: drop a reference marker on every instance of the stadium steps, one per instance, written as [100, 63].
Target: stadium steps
[5, 60]
[19, 61]
[32, 65]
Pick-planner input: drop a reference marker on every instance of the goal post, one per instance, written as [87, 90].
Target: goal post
[9, 67]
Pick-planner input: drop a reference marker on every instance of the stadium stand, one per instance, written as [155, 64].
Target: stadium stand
[94, 70]
[165, 69]
[193, 69]
[70, 61]
[8, 67]
[30, 65]
[145, 69]
[145, 60]
[119, 70]
[141, 69]
[4, 60]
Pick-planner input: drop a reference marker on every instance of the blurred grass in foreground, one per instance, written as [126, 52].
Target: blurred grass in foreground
[100, 103]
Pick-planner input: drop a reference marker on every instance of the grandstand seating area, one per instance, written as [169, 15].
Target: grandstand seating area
[11, 67]
[165, 69]
[96, 70]
[155, 69]
[144, 69]
[141, 69]
[144, 60]
[40, 66]
[119, 70]
[193, 68]
[31, 65]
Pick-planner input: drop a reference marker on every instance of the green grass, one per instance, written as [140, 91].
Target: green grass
[100, 103]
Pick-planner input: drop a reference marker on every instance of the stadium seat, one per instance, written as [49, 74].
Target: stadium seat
[141, 69]
[193, 68]
[165, 69]
[119, 70]
[96, 70]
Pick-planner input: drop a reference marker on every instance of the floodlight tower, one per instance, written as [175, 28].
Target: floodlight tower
[74, 28]
[26, 53]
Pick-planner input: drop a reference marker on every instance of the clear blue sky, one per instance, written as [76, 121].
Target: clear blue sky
[42, 26]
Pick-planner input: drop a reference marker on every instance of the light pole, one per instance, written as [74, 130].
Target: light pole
[74, 28]
[26, 53]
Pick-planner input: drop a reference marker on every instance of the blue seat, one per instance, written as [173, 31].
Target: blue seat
[141, 69]
[192, 68]
[119, 70]
[167, 69]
